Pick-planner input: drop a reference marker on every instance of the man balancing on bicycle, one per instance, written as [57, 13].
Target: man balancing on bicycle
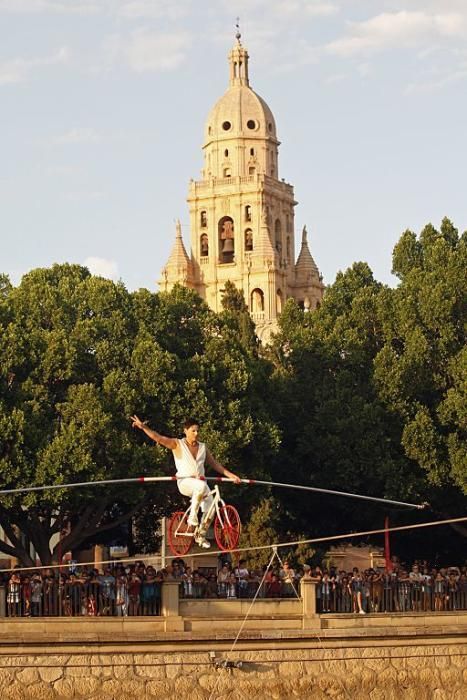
[190, 456]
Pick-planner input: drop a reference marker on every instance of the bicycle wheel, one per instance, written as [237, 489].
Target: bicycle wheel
[227, 528]
[179, 543]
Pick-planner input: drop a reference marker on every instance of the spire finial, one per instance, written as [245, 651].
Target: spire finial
[238, 60]
[304, 235]
[178, 229]
[238, 35]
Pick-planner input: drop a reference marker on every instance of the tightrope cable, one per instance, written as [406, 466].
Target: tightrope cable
[293, 543]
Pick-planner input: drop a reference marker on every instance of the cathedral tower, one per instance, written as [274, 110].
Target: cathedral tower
[242, 214]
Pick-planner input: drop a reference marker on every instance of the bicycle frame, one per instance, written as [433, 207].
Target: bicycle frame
[214, 509]
[224, 518]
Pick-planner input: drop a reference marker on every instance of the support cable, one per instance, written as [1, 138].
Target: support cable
[273, 556]
[314, 540]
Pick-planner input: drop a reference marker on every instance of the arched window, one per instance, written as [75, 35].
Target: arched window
[248, 213]
[204, 245]
[226, 153]
[278, 235]
[226, 240]
[257, 300]
[251, 170]
[248, 239]
[203, 218]
[252, 151]
[279, 302]
[288, 247]
[227, 172]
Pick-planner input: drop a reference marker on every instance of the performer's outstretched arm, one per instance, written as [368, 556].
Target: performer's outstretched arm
[169, 442]
[220, 469]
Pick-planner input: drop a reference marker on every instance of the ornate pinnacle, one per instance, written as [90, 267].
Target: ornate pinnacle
[238, 35]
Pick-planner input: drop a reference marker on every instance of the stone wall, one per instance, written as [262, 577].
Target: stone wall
[412, 671]
[191, 652]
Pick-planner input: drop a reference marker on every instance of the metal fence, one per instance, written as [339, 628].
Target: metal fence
[50, 598]
[75, 598]
[211, 588]
[339, 597]
[400, 596]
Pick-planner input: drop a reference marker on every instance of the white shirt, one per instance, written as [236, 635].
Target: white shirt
[186, 464]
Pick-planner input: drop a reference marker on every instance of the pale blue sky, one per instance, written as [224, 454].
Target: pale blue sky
[97, 143]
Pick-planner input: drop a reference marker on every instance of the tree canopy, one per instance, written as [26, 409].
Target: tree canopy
[367, 394]
[421, 370]
[79, 355]
[372, 389]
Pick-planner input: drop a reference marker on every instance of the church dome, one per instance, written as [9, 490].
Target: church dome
[240, 111]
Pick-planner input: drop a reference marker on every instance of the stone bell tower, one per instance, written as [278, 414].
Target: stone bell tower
[242, 214]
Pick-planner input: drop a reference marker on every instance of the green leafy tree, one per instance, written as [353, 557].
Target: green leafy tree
[78, 355]
[214, 378]
[268, 525]
[421, 370]
[65, 364]
[337, 433]
[262, 530]
[237, 319]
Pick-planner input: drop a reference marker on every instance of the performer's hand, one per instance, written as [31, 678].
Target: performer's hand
[137, 423]
[236, 479]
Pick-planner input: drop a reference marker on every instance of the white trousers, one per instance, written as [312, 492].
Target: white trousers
[200, 496]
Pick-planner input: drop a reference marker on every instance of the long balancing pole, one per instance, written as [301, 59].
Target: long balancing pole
[250, 482]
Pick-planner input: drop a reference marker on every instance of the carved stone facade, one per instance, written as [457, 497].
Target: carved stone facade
[242, 214]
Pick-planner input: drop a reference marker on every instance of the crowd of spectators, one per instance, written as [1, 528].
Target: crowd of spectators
[397, 588]
[136, 589]
[117, 590]
[239, 581]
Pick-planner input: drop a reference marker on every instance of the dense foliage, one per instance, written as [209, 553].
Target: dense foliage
[367, 394]
[79, 355]
[372, 393]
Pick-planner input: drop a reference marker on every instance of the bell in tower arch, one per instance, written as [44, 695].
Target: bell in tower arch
[226, 240]
[228, 245]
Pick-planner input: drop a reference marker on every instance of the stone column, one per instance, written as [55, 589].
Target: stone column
[308, 592]
[2, 601]
[99, 556]
[170, 606]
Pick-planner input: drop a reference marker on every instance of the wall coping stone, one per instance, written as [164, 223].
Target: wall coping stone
[146, 635]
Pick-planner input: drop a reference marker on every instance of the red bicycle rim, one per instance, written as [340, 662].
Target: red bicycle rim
[227, 529]
[179, 544]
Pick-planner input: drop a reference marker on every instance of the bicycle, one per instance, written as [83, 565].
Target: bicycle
[227, 526]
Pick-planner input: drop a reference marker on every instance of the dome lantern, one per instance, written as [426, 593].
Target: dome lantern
[238, 60]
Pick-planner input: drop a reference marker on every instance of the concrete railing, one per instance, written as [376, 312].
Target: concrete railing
[181, 614]
[175, 611]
